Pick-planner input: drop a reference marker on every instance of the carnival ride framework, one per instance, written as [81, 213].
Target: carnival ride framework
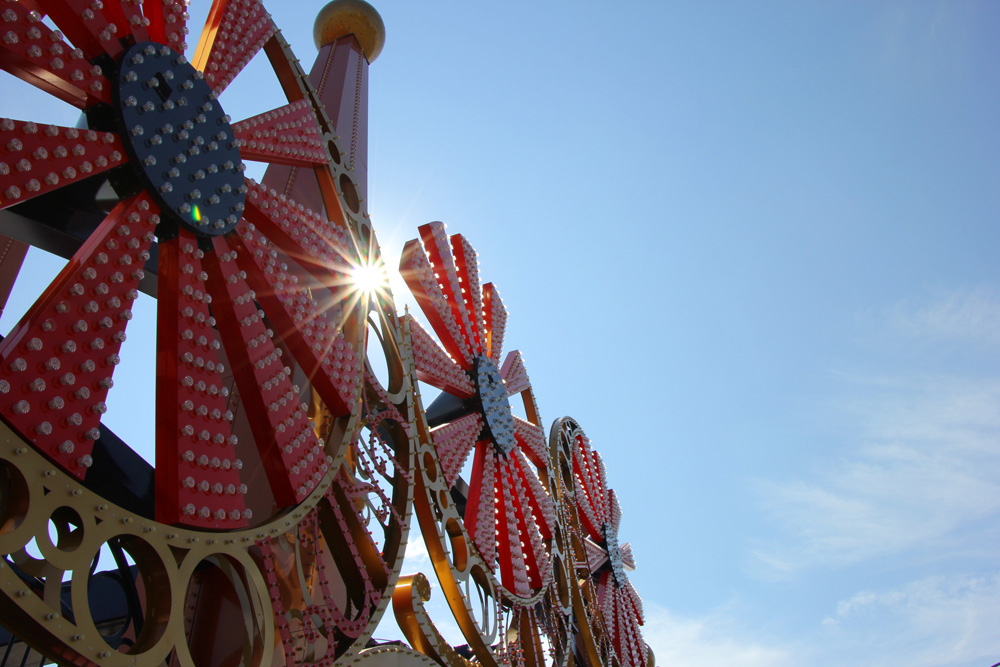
[272, 525]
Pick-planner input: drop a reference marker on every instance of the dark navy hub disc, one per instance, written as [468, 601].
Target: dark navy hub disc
[492, 393]
[180, 139]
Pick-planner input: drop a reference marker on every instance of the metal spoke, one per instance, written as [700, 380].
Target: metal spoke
[128, 14]
[418, 273]
[87, 26]
[197, 469]
[515, 375]
[292, 456]
[167, 22]
[454, 441]
[480, 507]
[467, 267]
[312, 332]
[439, 251]
[495, 316]
[287, 135]
[63, 352]
[434, 366]
[35, 53]
[531, 439]
[322, 248]
[38, 159]
[235, 31]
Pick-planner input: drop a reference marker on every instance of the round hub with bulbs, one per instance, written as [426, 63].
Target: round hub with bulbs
[180, 139]
[494, 406]
[614, 556]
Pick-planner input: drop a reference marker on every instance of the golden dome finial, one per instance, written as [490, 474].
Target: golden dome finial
[351, 17]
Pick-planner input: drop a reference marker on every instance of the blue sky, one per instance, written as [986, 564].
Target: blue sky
[751, 247]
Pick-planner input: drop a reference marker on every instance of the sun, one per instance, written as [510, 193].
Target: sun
[369, 278]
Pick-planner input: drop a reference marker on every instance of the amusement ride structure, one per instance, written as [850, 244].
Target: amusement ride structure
[270, 528]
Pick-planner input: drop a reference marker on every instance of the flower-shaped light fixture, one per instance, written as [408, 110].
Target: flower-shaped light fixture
[242, 274]
[600, 517]
[508, 513]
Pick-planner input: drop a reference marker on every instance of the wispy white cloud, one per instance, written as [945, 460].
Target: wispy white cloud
[921, 470]
[417, 559]
[914, 487]
[927, 464]
[715, 639]
[933, 621]
[969, 314]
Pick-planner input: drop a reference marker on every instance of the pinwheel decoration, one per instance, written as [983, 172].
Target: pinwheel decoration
[508, 512]
[600, 517]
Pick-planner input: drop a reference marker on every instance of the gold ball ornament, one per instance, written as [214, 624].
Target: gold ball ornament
[351, 17]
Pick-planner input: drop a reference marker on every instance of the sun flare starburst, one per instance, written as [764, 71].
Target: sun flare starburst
[369, 278]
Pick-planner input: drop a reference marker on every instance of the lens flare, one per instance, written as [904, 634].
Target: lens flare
[368, 278]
